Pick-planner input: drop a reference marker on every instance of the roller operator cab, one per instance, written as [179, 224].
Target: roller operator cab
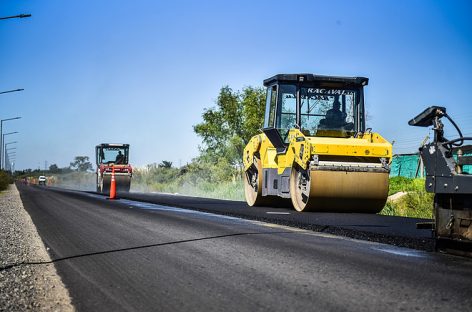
[113, 156]
[314, 148]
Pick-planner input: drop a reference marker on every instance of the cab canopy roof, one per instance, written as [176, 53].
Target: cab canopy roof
[328, 81]
[113, 145]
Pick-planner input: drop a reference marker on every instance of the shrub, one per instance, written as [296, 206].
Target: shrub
[417, 203]
[5, 179]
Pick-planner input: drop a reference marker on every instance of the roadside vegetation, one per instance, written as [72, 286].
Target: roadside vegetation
[84, 181]
[415, 203]
[5, 180]
[195, 179]
[78, 175]
[217, 171]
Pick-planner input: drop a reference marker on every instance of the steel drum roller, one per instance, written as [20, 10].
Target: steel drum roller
[339, 191]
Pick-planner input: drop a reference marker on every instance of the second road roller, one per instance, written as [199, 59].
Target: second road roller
[314, 148]
[113, 157]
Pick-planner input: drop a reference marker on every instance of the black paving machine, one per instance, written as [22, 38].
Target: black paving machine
[449, 177]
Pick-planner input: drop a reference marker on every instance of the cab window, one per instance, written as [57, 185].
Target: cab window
[286, 109]
[327, 109]
[271, 100]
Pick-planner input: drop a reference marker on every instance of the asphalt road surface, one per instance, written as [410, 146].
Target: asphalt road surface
[399, 231]
[134, 256]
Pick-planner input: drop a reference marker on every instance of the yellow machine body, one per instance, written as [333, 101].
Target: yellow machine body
[326, 170]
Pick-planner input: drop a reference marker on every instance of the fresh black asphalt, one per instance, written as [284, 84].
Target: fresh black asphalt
[134, 256]
[399, 231]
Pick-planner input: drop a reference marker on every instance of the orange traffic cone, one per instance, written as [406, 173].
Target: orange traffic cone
[112, 184]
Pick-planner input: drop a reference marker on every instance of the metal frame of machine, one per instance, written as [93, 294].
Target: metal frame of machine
[337, 168]
[452, 187]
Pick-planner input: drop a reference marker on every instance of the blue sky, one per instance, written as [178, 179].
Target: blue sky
[142, 72]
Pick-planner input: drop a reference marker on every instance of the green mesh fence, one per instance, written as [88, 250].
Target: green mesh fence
[467, 169]
[405, 166]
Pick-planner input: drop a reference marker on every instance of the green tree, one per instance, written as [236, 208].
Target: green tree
[253, 102]
[81, 164]
[165, 164]
[54, 169]
[228, 127]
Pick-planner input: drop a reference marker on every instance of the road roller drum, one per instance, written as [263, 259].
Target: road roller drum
[343, 191]
[123, 183]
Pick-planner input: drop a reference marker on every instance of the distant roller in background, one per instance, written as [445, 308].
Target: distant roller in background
[109, 155]
[314, 148]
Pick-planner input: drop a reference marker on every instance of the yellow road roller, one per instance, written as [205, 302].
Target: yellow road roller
[314, 148]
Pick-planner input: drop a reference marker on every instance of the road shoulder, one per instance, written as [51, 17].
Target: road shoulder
[28, 279]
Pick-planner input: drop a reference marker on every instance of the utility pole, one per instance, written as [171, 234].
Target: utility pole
[9, 91]
[7, 149]
[1, 137]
